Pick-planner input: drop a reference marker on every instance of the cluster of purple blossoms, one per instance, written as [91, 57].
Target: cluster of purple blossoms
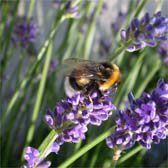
[24, 33]
[31, 156]
[144, 120]
[163, 51]
[145, 32]
[73, 115]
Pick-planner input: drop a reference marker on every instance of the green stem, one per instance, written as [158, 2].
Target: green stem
[72, 40]
[118, 52]
[139, 8]
[149, 76]
[66, 37]
[159, 6]
[91, 31]
[77, 146]
[129, 154]
[6, 42]
[48, 141]
[86, 148]
[19, 67]
[39, 96]
[130, 80]
[30, 10]
[113, 163]
[94, 158]
[5, 10]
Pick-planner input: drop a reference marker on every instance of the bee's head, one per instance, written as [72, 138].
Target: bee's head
[105, 69]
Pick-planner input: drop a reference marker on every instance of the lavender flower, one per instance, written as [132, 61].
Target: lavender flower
[118, 22]
[24, 33]
[144, 120]
[32, 154]
[145, 32]
[163, 51]
[72, 115]
[71, 10]
[73, 134]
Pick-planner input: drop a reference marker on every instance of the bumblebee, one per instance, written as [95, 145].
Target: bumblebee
[84, 76]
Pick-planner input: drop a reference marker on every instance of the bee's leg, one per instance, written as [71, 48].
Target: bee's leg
[88, 90]
[91, 105]
[86, 94]
[93, 86]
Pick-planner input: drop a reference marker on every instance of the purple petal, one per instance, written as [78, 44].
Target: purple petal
[123, 35]
[131, 49]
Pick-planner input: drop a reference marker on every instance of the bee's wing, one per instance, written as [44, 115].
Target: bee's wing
[79, 68]
[77, 61]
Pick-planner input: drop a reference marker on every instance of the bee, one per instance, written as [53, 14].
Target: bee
[84, 76]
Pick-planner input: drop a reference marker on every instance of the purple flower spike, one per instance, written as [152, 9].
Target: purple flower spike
[24, 33]
[31, 155]
[75, 113]
[144, 120]
[145, 32]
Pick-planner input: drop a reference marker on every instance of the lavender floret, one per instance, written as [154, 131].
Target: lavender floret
[31, 156]
[145, 32]
[71, 10]
[144, 120]
[24, 33]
